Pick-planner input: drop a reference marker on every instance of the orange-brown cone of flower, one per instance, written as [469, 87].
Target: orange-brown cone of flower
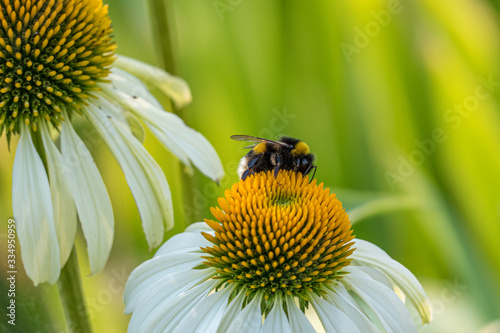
[280, 234]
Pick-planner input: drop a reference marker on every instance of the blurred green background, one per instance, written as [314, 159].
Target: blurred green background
[397, 99]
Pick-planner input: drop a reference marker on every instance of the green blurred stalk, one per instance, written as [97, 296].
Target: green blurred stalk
[385, 205]
[162, 31]
[71, 294]
[163, 26]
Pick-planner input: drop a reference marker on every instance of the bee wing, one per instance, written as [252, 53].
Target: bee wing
[257, 139]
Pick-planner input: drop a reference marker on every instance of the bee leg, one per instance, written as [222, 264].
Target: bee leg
[250, 165]
[307, 170]
[278, 165]
[314, 173]
[276, 170]
[245, 174]
[254, 160]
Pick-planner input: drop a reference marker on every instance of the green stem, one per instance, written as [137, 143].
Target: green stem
[71, 294]
[163, 27]
[163, 33]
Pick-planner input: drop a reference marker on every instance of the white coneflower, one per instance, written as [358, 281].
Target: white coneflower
[279, 246]
[56, 60]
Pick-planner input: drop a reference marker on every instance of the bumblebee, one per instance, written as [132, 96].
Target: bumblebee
[285, 154]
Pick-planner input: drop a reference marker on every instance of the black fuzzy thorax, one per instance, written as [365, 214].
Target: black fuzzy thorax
[277, 155]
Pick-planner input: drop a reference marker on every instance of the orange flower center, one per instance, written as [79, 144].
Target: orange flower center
[280, 234]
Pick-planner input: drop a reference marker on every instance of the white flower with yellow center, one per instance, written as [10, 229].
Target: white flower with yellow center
[279, 246]
[56, 60]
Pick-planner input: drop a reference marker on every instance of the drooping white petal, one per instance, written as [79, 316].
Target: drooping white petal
[339, 296]
[183, 243]
[163, 306]
[376, 275]
[248, 320]
[62, 200]
[144, 176]
[32, 206]
[91, 197]
[205, 316]
[298, 320]
[385, 304]
[276, 320]
[151, 270]
[371, 255]
[174, 87]
[332, 318]
[134, 87]
[136, 127]
[186, 143]
[131, 85]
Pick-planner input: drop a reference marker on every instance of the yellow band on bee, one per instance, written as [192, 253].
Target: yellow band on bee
[301, 148]
[260, 148]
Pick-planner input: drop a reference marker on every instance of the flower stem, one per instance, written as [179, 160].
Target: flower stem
[71, 294]
[163, 33]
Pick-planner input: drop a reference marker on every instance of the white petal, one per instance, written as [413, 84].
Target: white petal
[145, 297]
[174, 87]
[144, 176]
[333, 319]
[198, 227]
[182, 243]
[136, 127]
[276, 320]
[32, 206]
[376, 275]
[91, 198]
[131, 85]
[163, 302]
[371, 255]
[249, 319]
[151, 270]
[183, 304]
[339, 296]
[298, 320]
[205, 316]
[62, 201]
[186, 143]
[386, 305]
[367, 247]
[234, 308]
